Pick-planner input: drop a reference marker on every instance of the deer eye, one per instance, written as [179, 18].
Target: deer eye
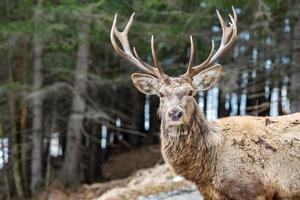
[161, 94]
[190, 93]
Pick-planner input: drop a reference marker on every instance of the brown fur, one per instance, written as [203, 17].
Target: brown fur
[244, 190]
[196, 150]
[249, 162]
[238, 158]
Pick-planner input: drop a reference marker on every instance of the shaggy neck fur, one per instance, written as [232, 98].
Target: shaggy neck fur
[191, 149]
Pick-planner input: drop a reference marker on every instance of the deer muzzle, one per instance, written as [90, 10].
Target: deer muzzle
[175, 114]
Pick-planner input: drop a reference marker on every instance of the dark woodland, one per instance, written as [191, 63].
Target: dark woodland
[66, 99]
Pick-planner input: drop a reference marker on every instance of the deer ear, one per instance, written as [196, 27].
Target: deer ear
[207, 78]
[146, 83]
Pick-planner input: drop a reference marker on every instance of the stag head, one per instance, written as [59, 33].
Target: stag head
[176, 93]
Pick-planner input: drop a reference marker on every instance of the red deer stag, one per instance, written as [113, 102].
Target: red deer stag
[245, 164]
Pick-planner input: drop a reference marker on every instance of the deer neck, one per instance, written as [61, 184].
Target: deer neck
[191, 149]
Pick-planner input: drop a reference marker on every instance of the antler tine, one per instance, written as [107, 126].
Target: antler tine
[234, 14]
[126, 52]
[154, 56]
[192, 54]
[221, 20]
[139, 58]
[195, 70]
[228, 36]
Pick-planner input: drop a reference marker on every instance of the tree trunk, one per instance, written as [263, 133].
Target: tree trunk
[72, 155]
[22, 69]
[222, 111]
[251, 102]
[263, 105]
[154, 120]
[16, 178]
[7, 9]
[13, 144]
[138, 104]
[52, 129]
[280, 107]
[295, 80]
[18, 75]
[37, 119]
[92, 155]
[4, 170]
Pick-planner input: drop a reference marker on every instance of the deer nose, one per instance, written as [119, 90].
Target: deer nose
[175, 114]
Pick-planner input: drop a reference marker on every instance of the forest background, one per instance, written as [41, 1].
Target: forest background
[66, 99]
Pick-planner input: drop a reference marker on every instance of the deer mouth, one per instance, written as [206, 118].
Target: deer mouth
[174, 123]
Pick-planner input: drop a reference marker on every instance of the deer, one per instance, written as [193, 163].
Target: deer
[245, 164]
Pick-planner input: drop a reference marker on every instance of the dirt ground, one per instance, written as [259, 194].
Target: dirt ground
[125, 164]
[147, 182]
[143, 183]
[117, 171]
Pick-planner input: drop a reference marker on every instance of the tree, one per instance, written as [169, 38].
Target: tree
[295, 79]
[71, 163]
[51, 81]
[37, 119]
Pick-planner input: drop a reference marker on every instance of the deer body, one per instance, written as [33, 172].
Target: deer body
[250, 162]
[261, 152]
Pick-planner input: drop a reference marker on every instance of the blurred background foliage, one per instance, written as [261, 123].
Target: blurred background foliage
[66, 99]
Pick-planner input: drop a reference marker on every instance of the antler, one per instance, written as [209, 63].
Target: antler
[126, 52]
[229, 34]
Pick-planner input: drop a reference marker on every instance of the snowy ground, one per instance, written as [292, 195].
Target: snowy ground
[189, 193]
[157, 183]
